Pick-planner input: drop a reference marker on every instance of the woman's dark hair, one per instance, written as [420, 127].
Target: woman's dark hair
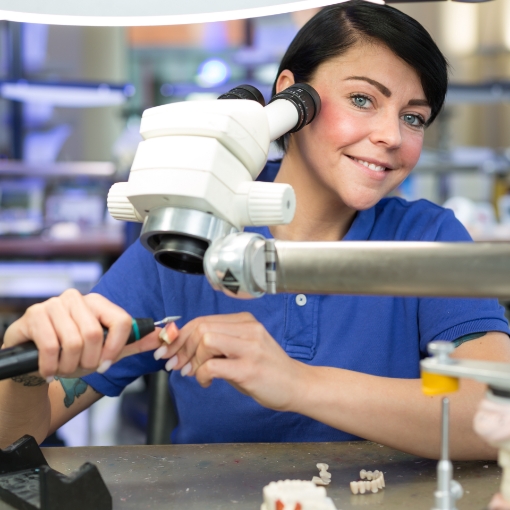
[335, 29]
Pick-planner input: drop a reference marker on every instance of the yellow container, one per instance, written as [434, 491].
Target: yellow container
[436, 384]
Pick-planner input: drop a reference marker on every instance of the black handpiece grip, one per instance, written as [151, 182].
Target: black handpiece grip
[18, 360]
[24, 358]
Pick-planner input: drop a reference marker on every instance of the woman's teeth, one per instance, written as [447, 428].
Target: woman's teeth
[376, 168]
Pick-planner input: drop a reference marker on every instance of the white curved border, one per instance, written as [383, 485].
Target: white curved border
[181, 19]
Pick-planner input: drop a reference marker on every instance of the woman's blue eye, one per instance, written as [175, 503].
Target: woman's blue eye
[360, 101]
[413, 120]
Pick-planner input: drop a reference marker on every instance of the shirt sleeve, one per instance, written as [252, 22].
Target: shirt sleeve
[451, 318]
[133, 283]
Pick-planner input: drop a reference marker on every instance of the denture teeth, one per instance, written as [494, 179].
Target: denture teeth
[319, 481]
[370, 481]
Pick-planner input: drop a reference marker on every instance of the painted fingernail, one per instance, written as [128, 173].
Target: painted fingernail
[50, 379]
[171, 363]
[104, 366]
[186, 369]
[159, 353]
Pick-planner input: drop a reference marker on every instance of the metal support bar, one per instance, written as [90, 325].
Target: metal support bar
[162, 417]
[394, 268]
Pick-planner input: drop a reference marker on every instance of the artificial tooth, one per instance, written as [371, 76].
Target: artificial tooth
[362, 474]
[370, 475]
[373, 486]
[368, 485]
[319, 481]
[361, 486]
[354, 487]
[382, 480]
[379, 482]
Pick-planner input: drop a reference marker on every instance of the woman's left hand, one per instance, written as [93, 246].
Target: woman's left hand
[238, 349]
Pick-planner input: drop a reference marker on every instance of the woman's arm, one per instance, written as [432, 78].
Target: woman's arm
[69, 335]
[395, 412]
[391, 411]
[29, 405]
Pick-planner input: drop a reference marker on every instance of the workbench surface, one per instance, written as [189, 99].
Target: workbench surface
[221, 476]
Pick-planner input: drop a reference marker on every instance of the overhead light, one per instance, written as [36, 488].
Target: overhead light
[84, 95]
[148, 12]
[459, 28]
[212, 72]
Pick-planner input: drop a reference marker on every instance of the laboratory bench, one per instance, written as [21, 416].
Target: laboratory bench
[231, 476]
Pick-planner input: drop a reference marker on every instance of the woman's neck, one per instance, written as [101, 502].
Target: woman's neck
[320, 215]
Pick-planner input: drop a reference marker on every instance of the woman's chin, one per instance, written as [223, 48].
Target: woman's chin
[362, 203]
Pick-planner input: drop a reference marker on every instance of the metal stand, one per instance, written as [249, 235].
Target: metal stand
[162, 417]
[448, 490]
[28, 483]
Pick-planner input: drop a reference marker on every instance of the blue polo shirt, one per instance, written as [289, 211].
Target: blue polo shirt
[382, 336]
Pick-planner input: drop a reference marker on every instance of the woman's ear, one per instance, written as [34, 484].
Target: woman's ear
[285, 80]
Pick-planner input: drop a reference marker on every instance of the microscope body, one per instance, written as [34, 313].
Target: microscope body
[193, 177]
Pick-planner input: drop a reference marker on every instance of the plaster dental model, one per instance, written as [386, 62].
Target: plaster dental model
[492, 423]
[370, 482]
[295, 495]
[324, 477]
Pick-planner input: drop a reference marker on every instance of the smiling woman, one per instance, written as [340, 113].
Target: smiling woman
[382, 80]
[284, 367]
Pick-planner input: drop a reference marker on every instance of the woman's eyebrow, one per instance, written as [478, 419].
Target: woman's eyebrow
[418, 102]
[385, 91]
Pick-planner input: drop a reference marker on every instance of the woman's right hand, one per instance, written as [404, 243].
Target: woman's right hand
[68, 331]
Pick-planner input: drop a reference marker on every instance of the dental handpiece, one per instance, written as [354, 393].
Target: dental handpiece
[24, 358]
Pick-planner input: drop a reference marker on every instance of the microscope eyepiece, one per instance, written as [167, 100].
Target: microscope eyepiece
[305, 99]
[245, 92]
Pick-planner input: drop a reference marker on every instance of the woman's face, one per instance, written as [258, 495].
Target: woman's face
[369, 133]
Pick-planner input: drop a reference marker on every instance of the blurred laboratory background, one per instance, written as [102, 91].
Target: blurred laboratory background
[71, 99]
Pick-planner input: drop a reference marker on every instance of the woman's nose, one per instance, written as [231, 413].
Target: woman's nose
[387, 131]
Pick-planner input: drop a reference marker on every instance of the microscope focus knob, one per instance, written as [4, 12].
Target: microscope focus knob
[119, 205]
[441, 349]
[271, 203]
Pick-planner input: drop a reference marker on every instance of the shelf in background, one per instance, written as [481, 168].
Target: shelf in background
[101, 169]
[89, 243]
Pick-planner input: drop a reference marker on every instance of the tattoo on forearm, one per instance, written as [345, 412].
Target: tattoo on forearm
[73, 388]
[29, 380]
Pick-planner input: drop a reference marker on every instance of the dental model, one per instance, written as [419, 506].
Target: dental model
[492, 423]
[295, 495]
[370, 482]
[324, 477]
